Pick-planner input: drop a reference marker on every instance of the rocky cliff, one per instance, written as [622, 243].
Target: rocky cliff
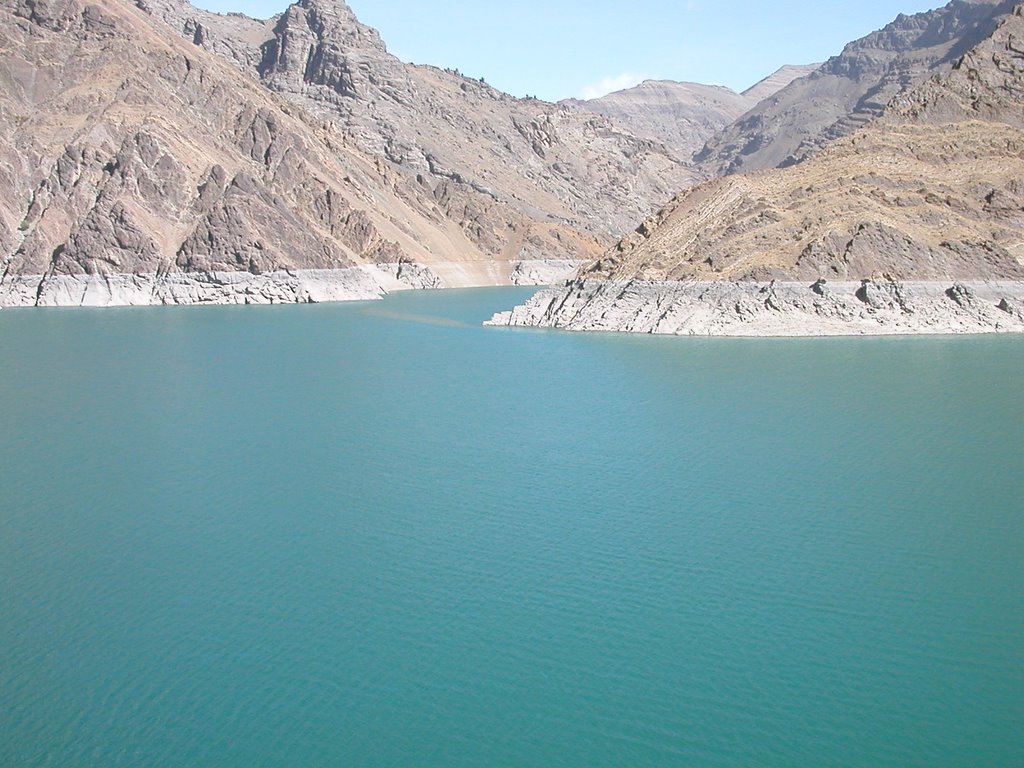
[181, 165]
[851, 89]
[494, 163]
[931, 191]
[152, 152]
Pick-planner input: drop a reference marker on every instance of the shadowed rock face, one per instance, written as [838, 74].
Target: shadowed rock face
[494, 164]
[851, 89]
[181, 162]
[776, 81]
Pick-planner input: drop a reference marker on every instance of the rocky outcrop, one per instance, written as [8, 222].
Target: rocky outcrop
[702, 308]
[502, 169]
[986, 83]
[851, 89]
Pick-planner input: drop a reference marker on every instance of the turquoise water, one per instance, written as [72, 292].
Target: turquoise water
[381, 535]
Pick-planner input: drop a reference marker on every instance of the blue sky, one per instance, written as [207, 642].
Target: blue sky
[560, 48]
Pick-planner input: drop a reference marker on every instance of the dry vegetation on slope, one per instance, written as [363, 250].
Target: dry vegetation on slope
[934, 190]
[913, 224]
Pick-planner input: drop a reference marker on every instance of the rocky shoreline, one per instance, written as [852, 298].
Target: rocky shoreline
[301, 286]
[758, 309]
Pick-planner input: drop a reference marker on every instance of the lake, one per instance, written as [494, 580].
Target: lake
[379, 534]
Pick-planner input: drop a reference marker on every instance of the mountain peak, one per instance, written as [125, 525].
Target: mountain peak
[851, 89]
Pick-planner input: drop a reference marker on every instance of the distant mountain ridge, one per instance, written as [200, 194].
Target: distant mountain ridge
[776, 81]
[681, 115]
[851, 89]
[684, 115]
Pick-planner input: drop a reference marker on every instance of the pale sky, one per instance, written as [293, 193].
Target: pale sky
[555, 49]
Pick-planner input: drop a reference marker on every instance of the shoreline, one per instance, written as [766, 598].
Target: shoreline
[775, 309]
[301, 286]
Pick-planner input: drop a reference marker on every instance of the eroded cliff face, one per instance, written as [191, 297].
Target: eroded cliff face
[851, 89]
[501, 168]
[931, 191]
[126, 150]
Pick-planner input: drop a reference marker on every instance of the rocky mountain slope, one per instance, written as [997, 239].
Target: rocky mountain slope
[151, 151]
[850, 89]
[487, 158]
[776, 81]
[180, 179]
[931, 191]
[684, 116]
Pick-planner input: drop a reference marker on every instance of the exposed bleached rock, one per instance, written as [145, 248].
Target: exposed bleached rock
[360, 283]
[705, 308]
[544, 271]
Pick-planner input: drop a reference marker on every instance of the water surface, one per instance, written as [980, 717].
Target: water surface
[382, 535]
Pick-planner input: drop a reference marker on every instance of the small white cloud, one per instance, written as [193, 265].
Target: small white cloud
[610, 85]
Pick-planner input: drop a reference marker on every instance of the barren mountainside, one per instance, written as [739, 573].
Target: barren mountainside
[851, 89]
[485, 155]
[182, 164]
[681, 115]
[685, 115]
[933, 190]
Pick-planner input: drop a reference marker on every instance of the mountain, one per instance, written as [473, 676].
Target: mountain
[681, 115]
[487, 158]
[850, 89]
[152, 152]
[179, 179]
[776, 81]
[914, 223]
[684, 116]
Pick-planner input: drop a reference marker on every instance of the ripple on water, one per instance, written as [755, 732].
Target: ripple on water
[387, 536]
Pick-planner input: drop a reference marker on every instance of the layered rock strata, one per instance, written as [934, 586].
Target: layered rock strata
[851, 89]
[928, 197]
[703, 308]
[137, 166]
